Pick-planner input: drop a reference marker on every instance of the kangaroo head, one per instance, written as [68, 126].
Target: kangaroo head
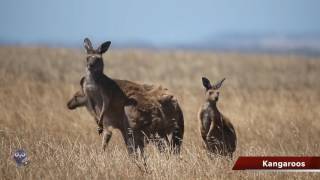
[78, 99]
[212, 91]
[94, 56]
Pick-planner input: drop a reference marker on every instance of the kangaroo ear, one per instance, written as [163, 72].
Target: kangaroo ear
[218, 84]
[82, 81]
[104, 47]
[87, 45]
[206, 83]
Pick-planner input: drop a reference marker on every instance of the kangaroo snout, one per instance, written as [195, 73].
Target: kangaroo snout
[70, 105]
[90, 66]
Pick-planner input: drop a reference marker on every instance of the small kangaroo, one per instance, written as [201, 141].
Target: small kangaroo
[135, 117]
[216, 130]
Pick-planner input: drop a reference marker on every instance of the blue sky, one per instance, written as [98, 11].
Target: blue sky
[158, 22]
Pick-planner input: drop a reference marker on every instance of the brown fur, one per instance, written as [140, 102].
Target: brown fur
[148, 98]
[216, 130]
[136, 113]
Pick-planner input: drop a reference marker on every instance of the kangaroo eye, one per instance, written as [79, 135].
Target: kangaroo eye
[210, 93]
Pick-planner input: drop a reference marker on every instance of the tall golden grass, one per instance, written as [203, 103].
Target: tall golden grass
[272, 100]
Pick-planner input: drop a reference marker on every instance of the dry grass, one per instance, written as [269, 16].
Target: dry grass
[273, 101]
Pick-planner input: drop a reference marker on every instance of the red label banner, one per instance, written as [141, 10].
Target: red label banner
[277, 163]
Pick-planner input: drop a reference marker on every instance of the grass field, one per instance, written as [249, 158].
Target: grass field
[272, 100]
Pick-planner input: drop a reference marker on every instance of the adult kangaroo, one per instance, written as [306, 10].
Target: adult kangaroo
[136, 114]
[216, 130]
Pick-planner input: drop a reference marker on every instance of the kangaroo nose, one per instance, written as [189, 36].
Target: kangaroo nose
[90, 65]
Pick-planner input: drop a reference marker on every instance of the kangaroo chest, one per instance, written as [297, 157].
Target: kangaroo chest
[209, 114]
[93, 92]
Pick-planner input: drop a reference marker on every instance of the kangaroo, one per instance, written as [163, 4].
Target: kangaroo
[216, 130]
[136, 116]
